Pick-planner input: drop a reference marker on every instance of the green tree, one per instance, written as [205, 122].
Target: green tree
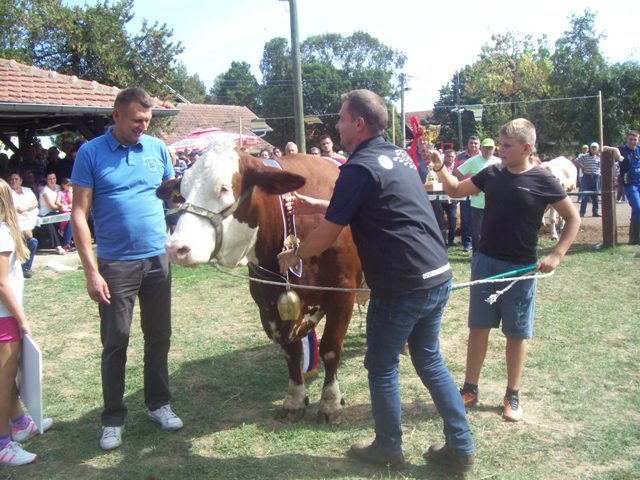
[90, 42]
[331, 65]
[237, 86]
[621, 99]
[578, 71]
[277, 91]
[190, 87]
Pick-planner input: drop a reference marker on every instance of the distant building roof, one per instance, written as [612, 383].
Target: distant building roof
[420, 115]
[194, 116]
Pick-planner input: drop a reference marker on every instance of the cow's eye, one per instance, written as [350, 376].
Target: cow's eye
[224, 189]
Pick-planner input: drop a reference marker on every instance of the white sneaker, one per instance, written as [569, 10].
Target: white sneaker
[111, 437]
[166, 418]
[13, 455]
[30, 430]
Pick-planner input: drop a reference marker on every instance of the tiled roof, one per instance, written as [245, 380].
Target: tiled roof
[421, 115]
[194, 116]
[26, 84]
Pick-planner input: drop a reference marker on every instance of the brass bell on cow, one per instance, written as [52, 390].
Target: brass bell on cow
[289, 305]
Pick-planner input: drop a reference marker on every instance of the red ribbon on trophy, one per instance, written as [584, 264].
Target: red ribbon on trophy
[418, 131]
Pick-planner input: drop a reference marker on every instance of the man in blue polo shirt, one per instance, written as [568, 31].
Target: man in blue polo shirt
[380, 196]
[115, 176]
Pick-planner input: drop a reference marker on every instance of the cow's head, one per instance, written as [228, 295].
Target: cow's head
[217, 218]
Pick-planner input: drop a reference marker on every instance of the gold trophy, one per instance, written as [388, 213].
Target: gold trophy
[429, 135]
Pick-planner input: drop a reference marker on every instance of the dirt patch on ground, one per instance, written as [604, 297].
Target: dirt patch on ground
[591, 227]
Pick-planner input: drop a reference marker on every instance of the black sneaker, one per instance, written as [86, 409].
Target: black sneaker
[26, 273]
[443, 455]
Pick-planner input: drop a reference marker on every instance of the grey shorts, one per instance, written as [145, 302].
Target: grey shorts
[515, 308]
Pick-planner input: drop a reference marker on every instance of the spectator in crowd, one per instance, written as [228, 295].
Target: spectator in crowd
[113, 173]
[15, 427]
[264, 154]
[589, 165]
[179, 165]
[193, 158]
[290, 148]
[326, 149]
[4, 164]
[64, 200]
[276, 153]
[469, 168]
[450, 207]
[466, 232]
[48, 207]
[26, 205]
[314, 151]
[53, 157]
[630, 179]
[379, 195]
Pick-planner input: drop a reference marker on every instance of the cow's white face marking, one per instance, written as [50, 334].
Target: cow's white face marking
[208, 185]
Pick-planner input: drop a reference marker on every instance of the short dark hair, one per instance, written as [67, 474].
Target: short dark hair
[133, 94]
[449, 150]
[368, 105]
[326, 135]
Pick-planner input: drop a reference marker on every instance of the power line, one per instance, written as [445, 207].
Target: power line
[541, 100]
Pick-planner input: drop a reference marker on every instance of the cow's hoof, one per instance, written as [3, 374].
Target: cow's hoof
[290, 416]
[329, 418]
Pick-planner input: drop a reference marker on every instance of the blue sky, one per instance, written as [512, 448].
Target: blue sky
[215, 33]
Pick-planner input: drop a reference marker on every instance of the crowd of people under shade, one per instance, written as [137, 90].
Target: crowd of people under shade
[40, 187]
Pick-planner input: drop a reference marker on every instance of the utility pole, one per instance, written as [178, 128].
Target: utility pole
[459, 110]
[402, 116]
[297, 78]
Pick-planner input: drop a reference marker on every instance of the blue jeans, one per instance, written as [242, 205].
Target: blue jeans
[589, 183]
[32, 245]
[633, 196]
[465, 223]
[392, 322]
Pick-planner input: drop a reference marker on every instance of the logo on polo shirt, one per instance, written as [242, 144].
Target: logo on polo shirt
[152, 163]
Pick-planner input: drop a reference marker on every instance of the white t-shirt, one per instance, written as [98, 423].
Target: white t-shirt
[26, 220]
[51, 194]
[16, 280]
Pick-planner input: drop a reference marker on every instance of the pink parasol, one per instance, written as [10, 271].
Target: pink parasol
[199, 139]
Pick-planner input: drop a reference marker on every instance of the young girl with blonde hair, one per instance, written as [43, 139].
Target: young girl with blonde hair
[15, 426]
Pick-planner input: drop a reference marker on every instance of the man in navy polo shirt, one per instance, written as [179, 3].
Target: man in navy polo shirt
[115, 176]
[380, 196]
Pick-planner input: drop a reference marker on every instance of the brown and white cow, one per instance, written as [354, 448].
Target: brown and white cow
[233, 210]
[566, 173]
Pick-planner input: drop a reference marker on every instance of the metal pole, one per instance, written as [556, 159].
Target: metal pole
[297, 78]
[600, 126]
[402, 119]
[393, 124]
[458, 111]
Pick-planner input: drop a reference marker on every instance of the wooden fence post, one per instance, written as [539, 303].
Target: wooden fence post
[608, 197]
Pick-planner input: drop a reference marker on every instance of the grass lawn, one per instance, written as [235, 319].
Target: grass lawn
[579, 391]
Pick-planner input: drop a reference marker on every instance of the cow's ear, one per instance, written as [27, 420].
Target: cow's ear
[170, 190]
[274, 181]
